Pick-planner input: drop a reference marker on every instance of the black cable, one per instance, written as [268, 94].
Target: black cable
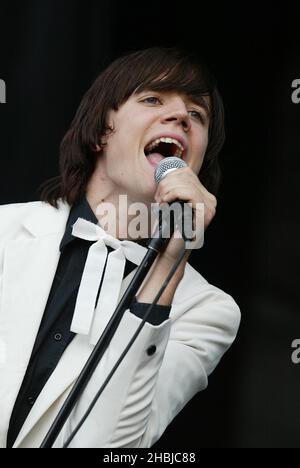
[94, 401]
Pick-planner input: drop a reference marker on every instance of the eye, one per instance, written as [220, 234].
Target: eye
[151, 100]
[197, 115]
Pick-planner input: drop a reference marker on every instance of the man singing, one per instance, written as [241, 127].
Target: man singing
[62, 274]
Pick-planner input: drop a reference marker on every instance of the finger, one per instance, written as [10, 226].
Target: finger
[180, 193]
[178, 186]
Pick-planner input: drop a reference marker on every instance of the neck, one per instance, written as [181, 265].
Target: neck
[118, 213]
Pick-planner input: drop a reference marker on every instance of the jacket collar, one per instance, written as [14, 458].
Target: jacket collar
[46, 219]
[30, 263]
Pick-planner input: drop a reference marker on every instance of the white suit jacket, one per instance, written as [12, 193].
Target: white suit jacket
[146, 392]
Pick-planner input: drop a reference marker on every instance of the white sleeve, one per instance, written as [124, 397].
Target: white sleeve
[198, 340]
[150, 388]
[2, 341]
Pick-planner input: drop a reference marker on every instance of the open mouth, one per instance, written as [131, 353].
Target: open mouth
[165, 147]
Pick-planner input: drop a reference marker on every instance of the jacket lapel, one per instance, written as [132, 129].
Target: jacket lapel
[62, 378]
[30, 263]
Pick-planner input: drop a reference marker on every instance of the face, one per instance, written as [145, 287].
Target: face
[139, 124]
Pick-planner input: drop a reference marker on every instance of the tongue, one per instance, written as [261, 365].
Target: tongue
[155, 158]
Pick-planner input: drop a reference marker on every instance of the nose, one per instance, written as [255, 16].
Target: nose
[179, 115]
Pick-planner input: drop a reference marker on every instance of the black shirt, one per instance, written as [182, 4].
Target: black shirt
[54, 334]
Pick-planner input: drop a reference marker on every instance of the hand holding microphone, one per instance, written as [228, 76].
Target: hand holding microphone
[178, 182]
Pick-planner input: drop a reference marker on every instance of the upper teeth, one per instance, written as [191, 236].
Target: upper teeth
[156, 142]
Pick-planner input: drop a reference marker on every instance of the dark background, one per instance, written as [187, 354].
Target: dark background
[51, 52]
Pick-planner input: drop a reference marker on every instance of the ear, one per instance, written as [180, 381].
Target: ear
[96, 148]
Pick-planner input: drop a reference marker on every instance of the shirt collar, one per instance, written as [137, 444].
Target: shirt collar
[80, 210]
[83, 210]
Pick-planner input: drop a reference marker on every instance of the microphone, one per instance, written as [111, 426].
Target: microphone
[168, 165]
[167, 217]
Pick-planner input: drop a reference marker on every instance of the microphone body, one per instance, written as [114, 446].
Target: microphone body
[175, 214]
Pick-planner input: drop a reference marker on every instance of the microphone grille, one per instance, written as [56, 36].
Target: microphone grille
[166, 165]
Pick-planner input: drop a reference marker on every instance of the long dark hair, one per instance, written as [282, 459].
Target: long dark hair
[155, 68]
